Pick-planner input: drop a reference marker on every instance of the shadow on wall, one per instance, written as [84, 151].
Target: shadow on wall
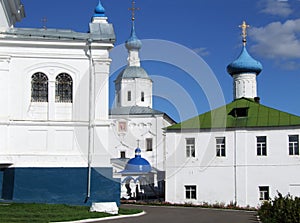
[58, 185]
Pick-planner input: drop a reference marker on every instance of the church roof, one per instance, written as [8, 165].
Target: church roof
[244, 64]
[98, 32]
[131, 72]
[241, 113]
[135, 110]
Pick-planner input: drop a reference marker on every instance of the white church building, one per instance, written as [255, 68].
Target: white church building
[136, 123]
[54, 116]
[60, 142]
[241, 153]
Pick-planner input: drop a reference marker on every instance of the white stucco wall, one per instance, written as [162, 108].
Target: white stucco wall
[140, 128]
[237, 176]
[52, 134]
[245, 85]
[136, 86]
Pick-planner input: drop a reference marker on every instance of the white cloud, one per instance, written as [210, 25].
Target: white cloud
[277, 40]
[276, 7]
[202, 51]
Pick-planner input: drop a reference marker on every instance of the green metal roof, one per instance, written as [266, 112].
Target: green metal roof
[241, 113]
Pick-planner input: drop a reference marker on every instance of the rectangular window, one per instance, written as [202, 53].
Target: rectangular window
[261, 145]
[190, 147]
[123, 154]
[264, 193]
[129, 96]
[190, 192]
[293, 145]
[142, 97]
[149, 144]
[220, 147]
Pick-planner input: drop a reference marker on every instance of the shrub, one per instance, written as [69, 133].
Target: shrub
[281, 210]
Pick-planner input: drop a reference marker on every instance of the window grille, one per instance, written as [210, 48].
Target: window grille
[64, 88]
[39, 87]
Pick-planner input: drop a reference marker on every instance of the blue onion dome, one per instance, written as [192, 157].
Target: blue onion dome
[138, 164]
[133, 43]
[244, 64]
[99, 10]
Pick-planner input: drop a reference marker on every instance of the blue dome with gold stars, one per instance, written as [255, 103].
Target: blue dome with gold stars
[244, 64]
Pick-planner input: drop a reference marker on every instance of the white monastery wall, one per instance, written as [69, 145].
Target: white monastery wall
[238, 175]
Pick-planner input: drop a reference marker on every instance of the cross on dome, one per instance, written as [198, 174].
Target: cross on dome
[244, 27]
[133, 9]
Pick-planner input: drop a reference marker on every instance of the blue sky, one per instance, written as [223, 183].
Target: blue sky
[208, 28]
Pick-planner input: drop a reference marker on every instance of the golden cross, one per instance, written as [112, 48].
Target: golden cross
[44, 21]
[133, 9]
[244, 27]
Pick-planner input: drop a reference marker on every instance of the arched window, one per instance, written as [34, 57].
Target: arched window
[39, 87]
[64, 88]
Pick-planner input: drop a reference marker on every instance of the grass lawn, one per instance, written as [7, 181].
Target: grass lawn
[44, 213]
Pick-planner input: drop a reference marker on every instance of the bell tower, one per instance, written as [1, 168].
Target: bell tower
[133, 86]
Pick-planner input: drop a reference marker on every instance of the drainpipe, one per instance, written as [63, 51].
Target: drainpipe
[235, 168]
[91, 120]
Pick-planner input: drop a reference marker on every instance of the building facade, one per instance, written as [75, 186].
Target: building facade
[54, 120]
[135, 123]
[242, 153]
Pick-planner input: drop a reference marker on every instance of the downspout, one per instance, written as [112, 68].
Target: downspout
[91, 119]
[235, 169]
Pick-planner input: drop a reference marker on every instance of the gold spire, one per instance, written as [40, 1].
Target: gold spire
[133, 9]
[244, 27]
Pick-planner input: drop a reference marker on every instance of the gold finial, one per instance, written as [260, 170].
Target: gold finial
[244, 27]
[44, 21]
[133, 9]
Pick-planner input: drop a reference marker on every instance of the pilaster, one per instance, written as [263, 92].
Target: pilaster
[101, 88]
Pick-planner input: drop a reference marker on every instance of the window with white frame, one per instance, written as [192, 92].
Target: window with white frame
[293, 145]
[190, 147]
[220, 147]
[128, 95]
[263, 193]
[261, 145]
[191, 192]
[39, 87]
[149, 144]
[64, 88]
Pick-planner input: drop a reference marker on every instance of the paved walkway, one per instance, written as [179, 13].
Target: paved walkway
[187, 215]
